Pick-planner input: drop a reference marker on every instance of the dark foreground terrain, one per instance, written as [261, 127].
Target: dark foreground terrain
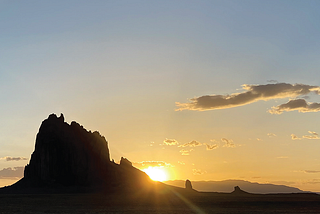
[168, 203]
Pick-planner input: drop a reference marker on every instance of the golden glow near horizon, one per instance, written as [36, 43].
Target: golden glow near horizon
[156, 173]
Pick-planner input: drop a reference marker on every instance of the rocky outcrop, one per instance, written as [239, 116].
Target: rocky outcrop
[189, 188]
[188, 185]
[238, 191]
[125, 162]
[69, 155]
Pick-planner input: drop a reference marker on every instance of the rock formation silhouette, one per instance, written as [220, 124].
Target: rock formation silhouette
[188, 185]
[70, 156]
[238, 191]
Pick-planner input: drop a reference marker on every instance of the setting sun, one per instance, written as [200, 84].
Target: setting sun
[156, 173]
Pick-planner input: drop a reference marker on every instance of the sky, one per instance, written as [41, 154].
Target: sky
[206, 90]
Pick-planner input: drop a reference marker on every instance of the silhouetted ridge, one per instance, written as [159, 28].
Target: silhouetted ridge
[69, 155]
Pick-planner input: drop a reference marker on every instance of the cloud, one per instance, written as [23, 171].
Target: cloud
[198, 172]
[184, 152]
[191, 144]
[211, 147]
[7, 158]
[252, 94]
[314, 136]
[146, 164]
[295, 137]
[295, 105]
[170, 142]
[314, 181]
[271, 135]
[311, 171]
[228, 143]
[12, 173]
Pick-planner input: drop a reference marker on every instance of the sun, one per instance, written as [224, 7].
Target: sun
[156, 173]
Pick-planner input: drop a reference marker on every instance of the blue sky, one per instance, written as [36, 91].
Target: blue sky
[119, 67]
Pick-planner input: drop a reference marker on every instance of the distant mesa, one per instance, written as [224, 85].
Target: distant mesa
[69, 156]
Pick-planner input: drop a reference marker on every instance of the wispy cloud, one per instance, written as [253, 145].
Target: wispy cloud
[145, 164]
[185, 152]
[252, 94]
[271, 135]
[198, 172]
[295, 105]
[313, 136]
[193, 143]
[228, 143]
[12, 173]
[211, 147]
[313, 181]
[282, 157]
[295, 137]
[311, 171]
[7, 158]
[224, 142]
[170, 142]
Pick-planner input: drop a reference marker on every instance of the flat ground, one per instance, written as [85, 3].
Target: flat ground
[165, 203]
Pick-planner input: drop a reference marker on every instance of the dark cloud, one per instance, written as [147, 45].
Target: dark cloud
[7, 158]
[191, 144]
[296, 105]
[170, 142]
[12, 173]
[252, 94]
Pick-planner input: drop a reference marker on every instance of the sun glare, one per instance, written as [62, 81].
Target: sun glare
[156, 173]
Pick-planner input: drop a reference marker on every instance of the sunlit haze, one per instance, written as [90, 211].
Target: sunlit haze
[156, 173]
[204, 90]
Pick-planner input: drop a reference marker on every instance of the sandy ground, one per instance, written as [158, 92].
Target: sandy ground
[99, 203]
